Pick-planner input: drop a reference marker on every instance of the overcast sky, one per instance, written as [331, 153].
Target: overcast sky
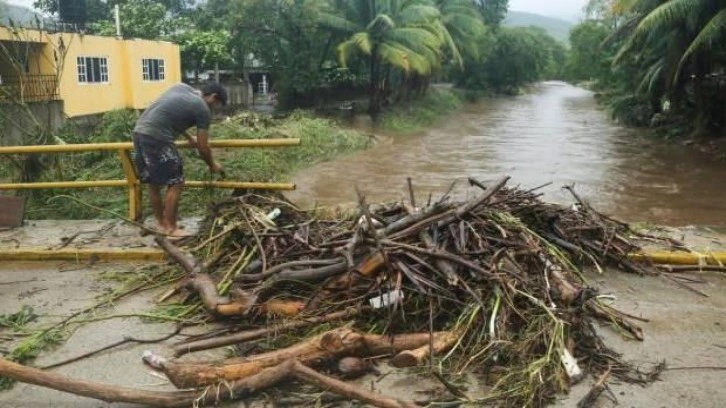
[26, 3]
[558, 8]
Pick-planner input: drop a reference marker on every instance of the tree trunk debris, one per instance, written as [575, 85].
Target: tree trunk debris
[492, 284]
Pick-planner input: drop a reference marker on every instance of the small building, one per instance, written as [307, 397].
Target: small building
[88, 74]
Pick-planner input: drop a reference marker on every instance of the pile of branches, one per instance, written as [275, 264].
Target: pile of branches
[492, 287]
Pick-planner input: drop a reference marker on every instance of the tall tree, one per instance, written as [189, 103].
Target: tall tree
[493, 11]
[678, 44]
[403, 35]
[147, 19]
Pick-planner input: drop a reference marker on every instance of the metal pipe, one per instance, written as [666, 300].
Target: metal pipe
[87, 147]
[681, 258]
[63, 184]
[83, 254]
[124, 183]
[241, 185]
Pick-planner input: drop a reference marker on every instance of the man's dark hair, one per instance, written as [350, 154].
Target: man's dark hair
[216, 89]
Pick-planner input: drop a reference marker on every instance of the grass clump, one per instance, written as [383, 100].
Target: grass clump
[415, 115]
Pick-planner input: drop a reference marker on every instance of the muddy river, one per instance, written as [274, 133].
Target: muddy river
[556, 133]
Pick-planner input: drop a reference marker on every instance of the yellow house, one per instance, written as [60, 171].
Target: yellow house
[90, 74]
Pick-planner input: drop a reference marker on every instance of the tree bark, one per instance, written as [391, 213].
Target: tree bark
[111, 393]
[314, 351]
[442, 342]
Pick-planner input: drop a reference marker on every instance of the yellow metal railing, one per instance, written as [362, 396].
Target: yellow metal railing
[132, 179]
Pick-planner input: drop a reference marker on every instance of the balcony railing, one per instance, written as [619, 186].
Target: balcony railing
[28, 88]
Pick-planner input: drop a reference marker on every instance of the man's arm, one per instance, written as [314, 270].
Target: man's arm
[192, 139]
[206, 152]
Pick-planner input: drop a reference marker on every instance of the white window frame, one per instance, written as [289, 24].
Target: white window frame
[82, 74]
[146, 71]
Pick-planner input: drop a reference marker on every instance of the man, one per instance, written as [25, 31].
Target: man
[157, 159]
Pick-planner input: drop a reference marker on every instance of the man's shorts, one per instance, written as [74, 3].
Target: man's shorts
[157, 163]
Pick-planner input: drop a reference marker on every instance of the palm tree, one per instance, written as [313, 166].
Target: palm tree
[674, 43]
[407, 35]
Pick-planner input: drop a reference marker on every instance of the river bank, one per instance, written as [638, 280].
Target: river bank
[556, 134]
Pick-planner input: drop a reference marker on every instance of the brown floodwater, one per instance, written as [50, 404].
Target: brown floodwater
[556, 133]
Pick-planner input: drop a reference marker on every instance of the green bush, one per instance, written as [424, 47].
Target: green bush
[415, 115]
[321, 140]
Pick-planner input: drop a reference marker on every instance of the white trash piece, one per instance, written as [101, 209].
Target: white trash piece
[386, 299]
[571, 366]
[274, 214]
[153, 360]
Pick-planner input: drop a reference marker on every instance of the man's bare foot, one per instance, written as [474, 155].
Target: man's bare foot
[177, 234]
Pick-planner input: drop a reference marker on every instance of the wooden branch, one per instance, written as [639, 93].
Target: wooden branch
[444, 266]
[311, 376]
[183, 348]
[313, 274]
[566, 290]
[597, 389]
[112, 393]
[442, 342]
[421, 220]
[482, 199]
[206, 288]
[412, 219]
[316, 350]
[187, 262]
[286, 267]
[441, 255]
[606, 313]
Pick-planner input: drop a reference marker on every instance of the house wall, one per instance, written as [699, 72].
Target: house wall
[89, 98]
[125, 87]
[142, 93]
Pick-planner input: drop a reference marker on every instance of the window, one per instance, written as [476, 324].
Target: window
[92, 69]
[153, 69]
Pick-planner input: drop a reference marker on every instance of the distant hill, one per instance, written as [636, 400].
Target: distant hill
[559, 29]
[20, 15]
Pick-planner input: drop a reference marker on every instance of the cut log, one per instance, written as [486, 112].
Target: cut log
[442, 342]
[318, 350]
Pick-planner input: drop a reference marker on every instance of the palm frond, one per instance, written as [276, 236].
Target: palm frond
[418, 14]
[664, 16]
[359, 42]
[381, 23]
[394, 56]
[712, 33]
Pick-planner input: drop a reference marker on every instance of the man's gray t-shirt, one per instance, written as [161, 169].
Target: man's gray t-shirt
[176, 110]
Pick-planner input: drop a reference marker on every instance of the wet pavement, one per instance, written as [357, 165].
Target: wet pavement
[685, 330]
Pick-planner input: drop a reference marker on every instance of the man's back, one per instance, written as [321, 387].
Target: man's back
[176, 110]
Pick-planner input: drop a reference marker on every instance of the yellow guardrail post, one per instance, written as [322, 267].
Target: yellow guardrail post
[135, 192]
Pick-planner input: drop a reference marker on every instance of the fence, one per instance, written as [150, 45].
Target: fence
[28, 88]
[132, 180]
